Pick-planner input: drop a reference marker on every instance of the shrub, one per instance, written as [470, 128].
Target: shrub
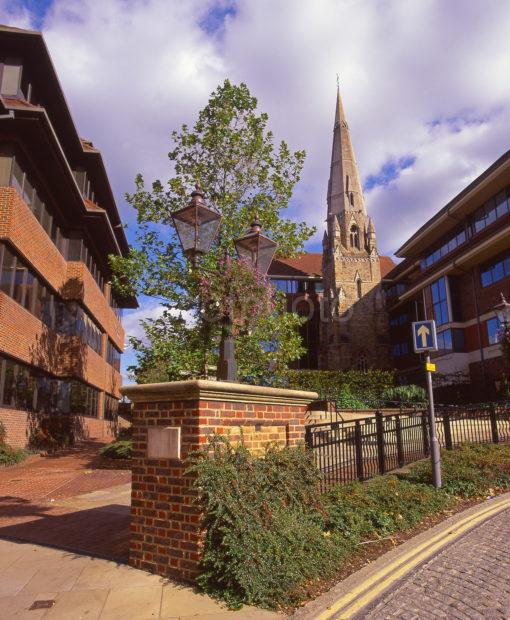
[122, 449]
[406, 395]
[360, 511]
[263, 533]
[468, 471]
[350, 387]
[11, 456]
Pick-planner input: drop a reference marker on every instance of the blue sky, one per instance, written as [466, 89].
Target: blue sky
[424, 83]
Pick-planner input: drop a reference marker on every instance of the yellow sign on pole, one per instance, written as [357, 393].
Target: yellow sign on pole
[430, 367]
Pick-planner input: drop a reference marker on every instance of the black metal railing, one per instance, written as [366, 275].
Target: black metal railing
[360, 449]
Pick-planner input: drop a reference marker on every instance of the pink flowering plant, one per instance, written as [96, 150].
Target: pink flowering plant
[237, 289]
[504, 340]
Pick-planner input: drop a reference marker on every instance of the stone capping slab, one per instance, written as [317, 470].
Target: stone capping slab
[203, 389]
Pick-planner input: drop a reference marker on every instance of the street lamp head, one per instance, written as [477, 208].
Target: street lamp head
[502, 311]
[196, 225]
[256, 248]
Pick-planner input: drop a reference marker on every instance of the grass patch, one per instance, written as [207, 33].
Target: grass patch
[11, 456]
[271, 538]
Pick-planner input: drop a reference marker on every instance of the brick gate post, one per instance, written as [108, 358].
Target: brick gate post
[169, 421]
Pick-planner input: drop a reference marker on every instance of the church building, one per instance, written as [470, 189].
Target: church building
[340, 292]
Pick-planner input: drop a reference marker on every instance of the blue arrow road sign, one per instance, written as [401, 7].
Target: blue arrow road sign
[424, 336]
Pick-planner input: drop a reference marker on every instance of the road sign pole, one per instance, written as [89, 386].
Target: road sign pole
[435, 453]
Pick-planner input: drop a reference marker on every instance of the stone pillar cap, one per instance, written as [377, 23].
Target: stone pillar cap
[203, 389]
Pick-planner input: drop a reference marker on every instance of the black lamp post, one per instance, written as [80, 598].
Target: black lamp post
[197, 226]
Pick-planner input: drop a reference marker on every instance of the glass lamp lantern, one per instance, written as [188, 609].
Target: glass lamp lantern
[503, 311]
[196, 225]
[256, 248]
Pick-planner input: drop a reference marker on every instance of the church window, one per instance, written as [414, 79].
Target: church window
[354, 236]
[347, 183]
[362, 362]
[358, 286]
[351, 198]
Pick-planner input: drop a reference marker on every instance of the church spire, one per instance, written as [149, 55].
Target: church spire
[344, 188]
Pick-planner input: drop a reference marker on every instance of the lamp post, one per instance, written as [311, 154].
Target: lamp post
[197, 226]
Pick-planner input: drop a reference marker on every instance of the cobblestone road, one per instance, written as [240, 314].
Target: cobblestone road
[470, 579]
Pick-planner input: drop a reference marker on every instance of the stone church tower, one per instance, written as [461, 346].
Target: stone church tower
[354, 325]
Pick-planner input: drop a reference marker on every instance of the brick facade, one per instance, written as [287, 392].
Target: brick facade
[165, 525]
[19, 423]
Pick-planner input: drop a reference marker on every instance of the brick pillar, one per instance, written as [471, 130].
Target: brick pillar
[165, 534]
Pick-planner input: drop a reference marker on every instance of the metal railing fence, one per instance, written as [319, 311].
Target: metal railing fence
[360, 449]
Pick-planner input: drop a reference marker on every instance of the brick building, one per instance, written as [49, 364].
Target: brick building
[340, 290]
[61, 336]
[455, 267]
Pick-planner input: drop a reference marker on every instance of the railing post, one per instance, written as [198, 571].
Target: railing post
[447, 431]
[308, 437]
[358, 446]
[425, 433]
[379, 426]
[400, 447]
[494, 424]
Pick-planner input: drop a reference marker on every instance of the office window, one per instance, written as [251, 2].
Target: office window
[501, 204]
[11, 78]
[287, 286]
[439, 301]
[495, 271]
[7, 274]
[5, 169]
[493, 327]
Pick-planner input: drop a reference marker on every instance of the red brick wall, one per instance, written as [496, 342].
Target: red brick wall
[165, 534]
[27, 339]
[71, 279]
[17, 425]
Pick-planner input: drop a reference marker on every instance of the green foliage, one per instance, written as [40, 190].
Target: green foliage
[406, 395]
[264, 538]
[269, 534]
[11, 456]
[350, 389]
[120, 449]
[468, 471]
[379, 507]
[231, 152]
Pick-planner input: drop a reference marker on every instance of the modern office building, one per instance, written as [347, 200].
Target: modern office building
[61, 336]
[454, 270]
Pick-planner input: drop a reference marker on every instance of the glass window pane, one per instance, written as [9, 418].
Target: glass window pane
[11, 78]
[486, 277]
[9, 390]
[19, 282]
[17, 176]
[30, 284]
[498, 272]
[6, 276]
[28, 192]
[5, 170]
[501, 204]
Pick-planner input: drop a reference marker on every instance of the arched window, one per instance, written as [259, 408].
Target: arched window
[351, 198]
[362, 362]
[354, 236]
[358, 285]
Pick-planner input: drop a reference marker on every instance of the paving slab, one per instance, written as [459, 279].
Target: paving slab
[94, 588]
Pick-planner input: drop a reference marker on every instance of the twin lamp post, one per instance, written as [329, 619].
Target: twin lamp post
[197, 226]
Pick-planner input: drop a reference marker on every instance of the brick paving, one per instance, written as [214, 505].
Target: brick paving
[35, 504]
[469, 580]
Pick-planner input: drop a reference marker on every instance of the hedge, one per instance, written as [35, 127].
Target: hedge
[349, 388]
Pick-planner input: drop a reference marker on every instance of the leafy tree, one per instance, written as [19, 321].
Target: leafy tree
[233, 156]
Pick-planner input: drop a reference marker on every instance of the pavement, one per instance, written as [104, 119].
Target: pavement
[67, 500]
[459, 569]
[39, 582]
